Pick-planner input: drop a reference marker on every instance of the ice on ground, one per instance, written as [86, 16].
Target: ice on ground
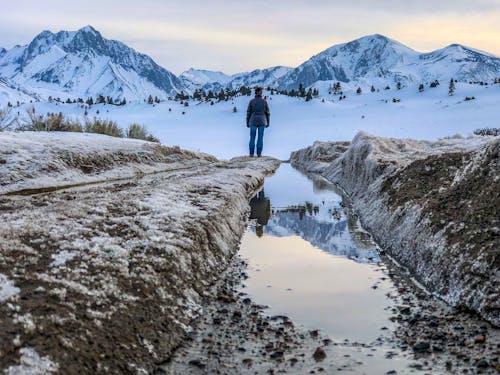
[32, 364]
[36, 160]
[7, 288]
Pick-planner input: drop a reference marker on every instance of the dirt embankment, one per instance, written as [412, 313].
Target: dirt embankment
[433, 206]
[107, 276]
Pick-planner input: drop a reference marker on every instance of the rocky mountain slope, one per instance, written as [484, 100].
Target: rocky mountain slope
[152, 228]
[433, 206]
[373, 60]
[83, 63]
[376, 59]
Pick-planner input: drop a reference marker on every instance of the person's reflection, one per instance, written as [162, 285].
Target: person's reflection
[260, 209]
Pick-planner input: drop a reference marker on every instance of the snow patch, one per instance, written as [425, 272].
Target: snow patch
[7, 288]
[32, 364]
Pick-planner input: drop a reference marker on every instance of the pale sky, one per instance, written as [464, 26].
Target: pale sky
[239, 35]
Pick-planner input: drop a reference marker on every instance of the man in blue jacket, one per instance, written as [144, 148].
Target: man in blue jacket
[258, 116]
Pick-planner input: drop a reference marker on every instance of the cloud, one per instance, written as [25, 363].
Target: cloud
[240, 35]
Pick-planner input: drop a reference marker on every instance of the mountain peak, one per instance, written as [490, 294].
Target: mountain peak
[88, 29]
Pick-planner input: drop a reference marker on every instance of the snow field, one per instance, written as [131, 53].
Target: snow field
[295, 124]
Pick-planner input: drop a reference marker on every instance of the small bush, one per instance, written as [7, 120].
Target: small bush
[5, 122]
[138, 131]
[106, 127]
[50, 123]
[487, 131]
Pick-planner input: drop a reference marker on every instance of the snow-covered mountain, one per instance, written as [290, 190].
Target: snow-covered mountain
[262, 77]
[82, 63]
[198, 78]
[210, 80]
[375, 58]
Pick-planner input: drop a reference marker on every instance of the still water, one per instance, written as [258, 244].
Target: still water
[311, 261]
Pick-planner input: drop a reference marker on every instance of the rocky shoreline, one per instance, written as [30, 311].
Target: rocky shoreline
[433, 206]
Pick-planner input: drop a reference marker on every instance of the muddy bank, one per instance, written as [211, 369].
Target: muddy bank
[236, 336]
[107, 277]
[433, 206]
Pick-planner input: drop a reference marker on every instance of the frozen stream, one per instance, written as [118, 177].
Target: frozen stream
[310, 261]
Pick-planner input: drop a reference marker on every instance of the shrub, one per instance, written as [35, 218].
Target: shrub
[138, 131]
[5, 122]
[52, 122]
[106, 127]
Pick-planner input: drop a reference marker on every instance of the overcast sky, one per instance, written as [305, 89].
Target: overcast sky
[239, 35]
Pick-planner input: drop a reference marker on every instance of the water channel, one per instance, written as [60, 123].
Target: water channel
[310, 260]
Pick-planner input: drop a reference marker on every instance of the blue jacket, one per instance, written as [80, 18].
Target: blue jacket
[258, 113]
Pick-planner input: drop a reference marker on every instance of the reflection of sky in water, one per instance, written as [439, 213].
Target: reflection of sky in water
[309, 210]
[341, 290]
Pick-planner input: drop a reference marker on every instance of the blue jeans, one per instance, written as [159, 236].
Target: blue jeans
[260, 139]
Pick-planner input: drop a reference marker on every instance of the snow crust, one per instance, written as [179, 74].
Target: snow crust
[36, 160]
[32, 364]
[128, 259]
[7, 288]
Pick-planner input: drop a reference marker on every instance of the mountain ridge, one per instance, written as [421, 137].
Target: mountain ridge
[83, 63]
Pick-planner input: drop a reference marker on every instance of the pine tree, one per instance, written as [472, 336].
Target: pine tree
[451, 88]
[434, 84]
[302, 90]
[359, 91]
[222, 95]
[150, 99]
[235, 109]
[309, 95]
[398, 85]
[421, 87]
[372, 89]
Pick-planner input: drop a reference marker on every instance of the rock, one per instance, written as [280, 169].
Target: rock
[226, 298]
[421, 347]
[278, 354]
[247, 362]
[314, 333]
[197, 363]
[391, 372]
[439, 336]
[319, 354]
[480, 339]
[483, 363]
[405, 310]
[3, 161]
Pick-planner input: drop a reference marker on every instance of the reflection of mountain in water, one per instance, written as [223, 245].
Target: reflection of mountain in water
[331, 236]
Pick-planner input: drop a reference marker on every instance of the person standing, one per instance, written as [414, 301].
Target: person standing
[258, 118]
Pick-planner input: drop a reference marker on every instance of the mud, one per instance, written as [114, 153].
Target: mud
[111, 275]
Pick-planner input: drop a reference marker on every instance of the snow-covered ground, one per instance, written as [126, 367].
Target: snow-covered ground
[109, 250]
[296, 124]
